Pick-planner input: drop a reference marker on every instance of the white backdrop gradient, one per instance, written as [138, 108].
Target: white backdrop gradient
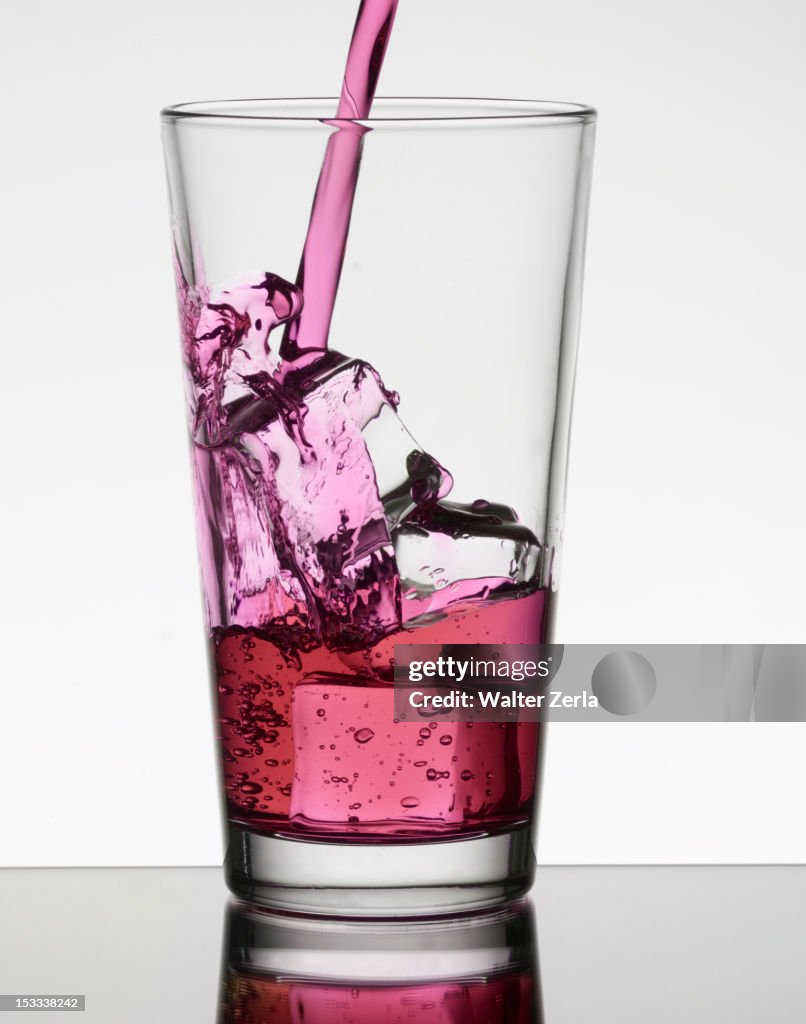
[687, 498]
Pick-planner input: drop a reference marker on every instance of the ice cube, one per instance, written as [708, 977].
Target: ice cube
[311, 466]
[405, 475]
[449, 554]
[307, 451]
[352, 769]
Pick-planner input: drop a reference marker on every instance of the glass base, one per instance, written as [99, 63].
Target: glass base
[395, 880]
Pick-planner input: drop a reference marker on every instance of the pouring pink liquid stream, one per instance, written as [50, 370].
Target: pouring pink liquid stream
[326, 538]
[323, 255]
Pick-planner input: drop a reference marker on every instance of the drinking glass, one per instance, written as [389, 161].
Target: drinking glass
[405, 484]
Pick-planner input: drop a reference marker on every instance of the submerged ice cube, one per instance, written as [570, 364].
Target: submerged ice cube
[355, 771]
[449, 554]
[351, 770]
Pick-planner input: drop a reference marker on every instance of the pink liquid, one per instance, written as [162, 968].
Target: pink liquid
[323, 255]
[503, 999]
[310, 746]
[325, 537]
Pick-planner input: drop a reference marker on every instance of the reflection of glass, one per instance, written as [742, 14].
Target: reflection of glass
[285, 969]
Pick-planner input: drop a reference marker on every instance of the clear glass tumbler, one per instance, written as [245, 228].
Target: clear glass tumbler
[327, 533]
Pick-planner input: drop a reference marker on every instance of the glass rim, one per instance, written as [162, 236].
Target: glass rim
[388, 111]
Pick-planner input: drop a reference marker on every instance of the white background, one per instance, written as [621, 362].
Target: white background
[687, 497]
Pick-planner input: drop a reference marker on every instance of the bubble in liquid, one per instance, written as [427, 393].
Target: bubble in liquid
[425, 733]
[251, 787]
[446, 740]
[466, 775]
[420, 764]
[320, 712]
[410, 801]
[363, 735]
[431, 774]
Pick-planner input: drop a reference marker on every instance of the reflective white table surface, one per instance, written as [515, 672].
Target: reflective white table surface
[620, 944]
